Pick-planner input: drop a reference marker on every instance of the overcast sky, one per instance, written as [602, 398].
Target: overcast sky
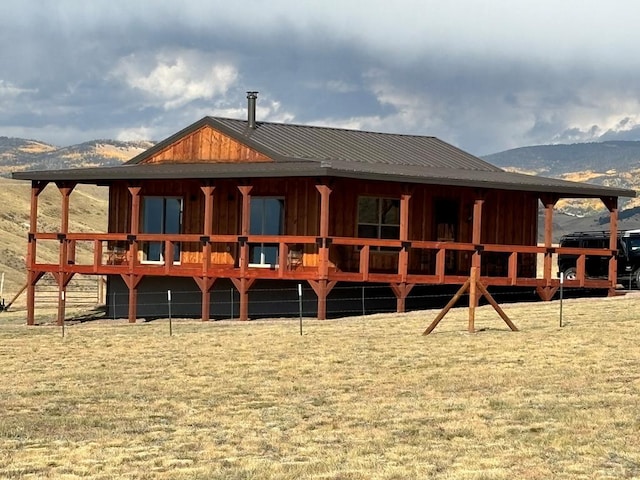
[485, 75]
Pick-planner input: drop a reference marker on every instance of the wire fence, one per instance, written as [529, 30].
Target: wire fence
[86, 291]
[294, 300]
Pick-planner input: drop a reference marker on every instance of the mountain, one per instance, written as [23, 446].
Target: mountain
[557, 160]
[22, 154]
[613, 163]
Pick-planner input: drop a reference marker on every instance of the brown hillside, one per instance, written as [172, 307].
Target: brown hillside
[88, 212]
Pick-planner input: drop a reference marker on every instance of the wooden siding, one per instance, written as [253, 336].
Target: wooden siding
[207, 145]
[509, 218]
[301, 212]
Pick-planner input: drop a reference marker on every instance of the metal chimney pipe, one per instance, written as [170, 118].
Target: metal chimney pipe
[251, 109]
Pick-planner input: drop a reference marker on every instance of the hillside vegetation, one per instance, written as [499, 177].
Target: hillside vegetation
[88, 213]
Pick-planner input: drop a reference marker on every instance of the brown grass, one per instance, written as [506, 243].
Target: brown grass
[357, 398]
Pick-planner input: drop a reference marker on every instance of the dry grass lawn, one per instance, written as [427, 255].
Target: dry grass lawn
[357, 398]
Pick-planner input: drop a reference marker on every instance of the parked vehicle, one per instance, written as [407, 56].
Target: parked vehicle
[628, 255]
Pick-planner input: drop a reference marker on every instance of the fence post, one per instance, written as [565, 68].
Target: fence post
[169, 304]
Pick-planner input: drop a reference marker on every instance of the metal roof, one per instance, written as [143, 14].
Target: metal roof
[390, 173]
[300, 151]
[289, 142]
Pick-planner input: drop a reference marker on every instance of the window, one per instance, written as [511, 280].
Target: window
[378, 217]
[267, 218]
[161, 215]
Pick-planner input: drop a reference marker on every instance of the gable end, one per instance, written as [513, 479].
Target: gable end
[206, 144]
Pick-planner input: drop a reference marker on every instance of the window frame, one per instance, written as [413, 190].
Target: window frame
[379, 225]
[263, 263]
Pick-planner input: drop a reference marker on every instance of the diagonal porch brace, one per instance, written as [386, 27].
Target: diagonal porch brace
[205, 284]
[401, 291]
[243, 285]
[546, 293]
[132, 281]
[322, 289]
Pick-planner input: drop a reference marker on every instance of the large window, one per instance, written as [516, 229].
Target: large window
[161, 215]
[267, 218]
[378, 217]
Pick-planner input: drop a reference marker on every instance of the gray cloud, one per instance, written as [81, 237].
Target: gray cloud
[482, 78]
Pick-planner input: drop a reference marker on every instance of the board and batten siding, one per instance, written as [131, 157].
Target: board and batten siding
[509, 217]
[207, 145]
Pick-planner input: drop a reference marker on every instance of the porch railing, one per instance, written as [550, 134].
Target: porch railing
[300, 257]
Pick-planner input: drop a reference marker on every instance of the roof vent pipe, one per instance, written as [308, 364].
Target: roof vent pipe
[251, 109]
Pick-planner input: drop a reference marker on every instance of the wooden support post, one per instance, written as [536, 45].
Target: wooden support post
[205, 284]
[65, 192]
[32, 280]
[63, 280]
[207, 226]
[612, 205]
[549, 202]
[322, 289]
[323, 248]
[364, 263]
[476, 262]
[132, 281]
[401, 291]
[32, 275]
[473, 297]
[478, 287]
[134, 229]
[245, 190]
[243, 285]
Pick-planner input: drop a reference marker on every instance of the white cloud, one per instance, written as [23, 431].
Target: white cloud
[9, 90]
[134, 134]
[178, 77]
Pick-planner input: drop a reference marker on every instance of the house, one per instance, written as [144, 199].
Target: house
[247, 207]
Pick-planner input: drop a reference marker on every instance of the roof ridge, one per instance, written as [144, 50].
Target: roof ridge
[321, 127]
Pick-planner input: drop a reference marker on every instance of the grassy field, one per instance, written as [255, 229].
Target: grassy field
[356, 398]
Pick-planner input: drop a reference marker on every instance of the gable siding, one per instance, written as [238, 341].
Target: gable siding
[206, 145]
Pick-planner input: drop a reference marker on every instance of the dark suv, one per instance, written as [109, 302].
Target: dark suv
[597, 266]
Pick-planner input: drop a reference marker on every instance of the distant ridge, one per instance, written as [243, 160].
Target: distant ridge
[556, 160]
[18, 154]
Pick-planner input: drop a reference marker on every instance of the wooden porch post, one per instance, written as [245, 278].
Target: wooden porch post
[323, 245]
[402, 289]
[612, 205]
[322, 287]
[32, 275]
[547, 291]
[62, 277]
[205, 282]
[132, 280]
[243, 284]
